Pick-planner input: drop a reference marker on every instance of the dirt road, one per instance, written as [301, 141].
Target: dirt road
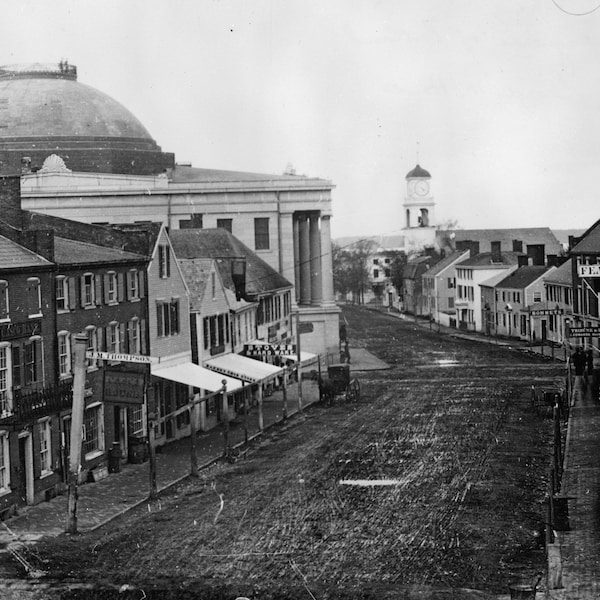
[435, 481]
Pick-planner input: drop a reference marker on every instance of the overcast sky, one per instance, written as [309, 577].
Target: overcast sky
[501, 98]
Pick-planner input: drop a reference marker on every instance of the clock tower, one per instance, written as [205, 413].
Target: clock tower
[419, 209]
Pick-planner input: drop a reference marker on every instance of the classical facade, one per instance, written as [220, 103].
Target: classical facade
[97, 164]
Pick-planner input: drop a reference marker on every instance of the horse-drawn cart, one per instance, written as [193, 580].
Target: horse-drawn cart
[339, 383]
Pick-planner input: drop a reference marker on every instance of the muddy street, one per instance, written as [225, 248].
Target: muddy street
[435, 481]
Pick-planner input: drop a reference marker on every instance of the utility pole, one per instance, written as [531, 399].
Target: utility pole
[151, 418]
[76, 439]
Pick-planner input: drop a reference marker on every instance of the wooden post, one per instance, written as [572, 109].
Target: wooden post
[150, 421]
[245, 397]
[299, 369]
[81, 344]
[193, 431]
[225, 418]
[285, 380]
[261, 422]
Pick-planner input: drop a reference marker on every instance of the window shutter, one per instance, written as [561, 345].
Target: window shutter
[161, 261]
[122, 338]
[141, 284]
[82, 290]
[168, 260]
[98, 289]
[3, 300]
[16, 365]
[159, 319]
[71, 283]
[121, 287]
[143, 333]
[106, 281]
[37, 353]
[100, 339]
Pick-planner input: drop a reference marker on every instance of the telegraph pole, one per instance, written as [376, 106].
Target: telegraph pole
[76, 439]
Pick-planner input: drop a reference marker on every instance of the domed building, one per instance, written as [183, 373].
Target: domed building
[419, 209]
[85, 157]
[44, 110]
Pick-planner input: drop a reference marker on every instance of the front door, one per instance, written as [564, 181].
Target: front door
[26, 492]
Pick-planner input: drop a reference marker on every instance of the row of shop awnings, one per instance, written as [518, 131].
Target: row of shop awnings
[235, 369]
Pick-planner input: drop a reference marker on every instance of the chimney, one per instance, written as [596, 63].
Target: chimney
[471, 245]
[523, 260]
[10, 200]
[553, 260]
[517, 246]
[238, 276]
[40, 241]
[496, 253]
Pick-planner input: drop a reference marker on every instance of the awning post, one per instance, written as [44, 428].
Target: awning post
[260, 407]
[193, 431]
[225, 418]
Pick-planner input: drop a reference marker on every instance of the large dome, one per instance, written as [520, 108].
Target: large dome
[44, 110]
[418, 171]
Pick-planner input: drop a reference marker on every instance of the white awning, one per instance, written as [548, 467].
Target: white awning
[242, 367]
[196, 376]
[306, 358]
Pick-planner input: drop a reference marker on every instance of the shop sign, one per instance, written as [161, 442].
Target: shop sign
[11, 331]
[583, 332]
[117, 357]
[270, 349]
[588, 270]
[121, 387]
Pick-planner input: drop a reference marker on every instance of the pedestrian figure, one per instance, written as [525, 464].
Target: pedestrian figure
[579, 361]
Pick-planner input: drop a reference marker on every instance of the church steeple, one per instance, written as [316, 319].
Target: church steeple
[419, 209]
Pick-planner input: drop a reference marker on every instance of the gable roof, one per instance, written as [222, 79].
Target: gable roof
[484, 260]
[73, 252]
[446, 262]
[196, 273]
[523, 277]
[589, 242]
[223, 247]
[562, 274]
[15, 256]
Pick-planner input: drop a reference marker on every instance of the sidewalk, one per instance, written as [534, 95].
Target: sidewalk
[579, 548]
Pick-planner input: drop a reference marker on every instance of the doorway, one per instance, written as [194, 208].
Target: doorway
[26, 489]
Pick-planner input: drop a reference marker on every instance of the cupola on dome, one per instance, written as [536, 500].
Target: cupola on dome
[418, 171]
[44, 110]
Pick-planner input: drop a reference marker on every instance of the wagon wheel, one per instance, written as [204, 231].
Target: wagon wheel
[353, 391]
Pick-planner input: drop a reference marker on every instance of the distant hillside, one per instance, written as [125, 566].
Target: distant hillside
[397, 241]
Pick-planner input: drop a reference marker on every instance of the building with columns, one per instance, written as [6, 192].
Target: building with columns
[96, 163]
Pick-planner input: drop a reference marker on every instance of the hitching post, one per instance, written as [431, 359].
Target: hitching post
[76, 439]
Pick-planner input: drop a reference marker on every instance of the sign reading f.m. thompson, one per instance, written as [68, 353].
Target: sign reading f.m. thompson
[124, 388]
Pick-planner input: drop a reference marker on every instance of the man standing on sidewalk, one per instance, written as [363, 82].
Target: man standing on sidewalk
[579, 363]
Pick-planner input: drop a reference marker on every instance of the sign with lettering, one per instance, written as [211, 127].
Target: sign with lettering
[588, 270]
[583, 332]
[270, 349]
[11, 331]
[305, 327]
[124, 388]
[541, 312]
[115, 356]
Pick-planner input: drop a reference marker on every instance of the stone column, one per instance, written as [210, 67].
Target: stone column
[304, 260]
[327, 261]
[316, 279]
[296, 234]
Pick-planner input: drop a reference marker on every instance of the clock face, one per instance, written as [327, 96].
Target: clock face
[422, 188]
